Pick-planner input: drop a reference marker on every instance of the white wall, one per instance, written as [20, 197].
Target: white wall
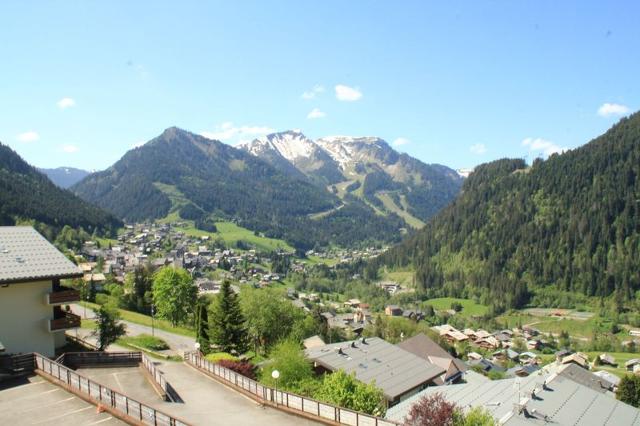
[23, 318]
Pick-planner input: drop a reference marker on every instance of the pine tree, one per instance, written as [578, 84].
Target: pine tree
[227, 328]
[202, 328]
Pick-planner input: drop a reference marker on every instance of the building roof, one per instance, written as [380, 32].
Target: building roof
[424, 347]
[393, 369]
[25, 256]
[585, 377]
[562, 401]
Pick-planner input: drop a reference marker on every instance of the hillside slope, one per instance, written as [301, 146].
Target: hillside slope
[25, 193]
[366, 168]
[570, 224]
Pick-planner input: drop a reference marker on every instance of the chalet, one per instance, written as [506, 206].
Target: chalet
[522, 370]
[393, 310]
[397, 372]
[504, 355]
[352, 303]
[578, 358]
[607, 359]
[424, 347]
[489, 343]
[31, 294]
[629, 365]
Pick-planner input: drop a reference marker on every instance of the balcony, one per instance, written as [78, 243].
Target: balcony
[62, 296]
[68, 320]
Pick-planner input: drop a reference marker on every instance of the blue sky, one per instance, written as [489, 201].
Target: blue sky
[457, 83]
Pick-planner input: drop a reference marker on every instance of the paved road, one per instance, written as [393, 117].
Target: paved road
[177, 342]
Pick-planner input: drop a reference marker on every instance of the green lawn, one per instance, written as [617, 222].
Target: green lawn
[146, 341]
[146, 320]
[620, 357]
[469, 307]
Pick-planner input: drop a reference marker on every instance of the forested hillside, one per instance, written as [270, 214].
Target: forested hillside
[25, 193]
[568, 224]
[205, 180]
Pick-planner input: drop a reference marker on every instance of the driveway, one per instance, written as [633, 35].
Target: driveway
[177, 342]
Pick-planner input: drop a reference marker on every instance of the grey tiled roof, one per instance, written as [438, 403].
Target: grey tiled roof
[25, 255]
[394, 370]
[563, 402]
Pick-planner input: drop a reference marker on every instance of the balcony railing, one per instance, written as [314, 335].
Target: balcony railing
[65, 295]
[69, 320]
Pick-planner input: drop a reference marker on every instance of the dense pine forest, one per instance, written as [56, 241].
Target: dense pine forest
[27, 194]
[519, 234]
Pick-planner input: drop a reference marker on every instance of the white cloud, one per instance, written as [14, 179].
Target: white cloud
[69, 148]
[400, 142]
[29, 136]
[543, 145]
[348, 94]
[316, 113]
[608, 109]
[478, 148]
[311, 94]
[228, 132]
[65, 103]
[137, 144]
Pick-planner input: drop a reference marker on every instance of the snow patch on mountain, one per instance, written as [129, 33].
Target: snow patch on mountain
[292, 145]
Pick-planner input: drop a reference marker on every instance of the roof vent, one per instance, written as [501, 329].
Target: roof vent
[364, 340]
[20, 260]
[353, 345]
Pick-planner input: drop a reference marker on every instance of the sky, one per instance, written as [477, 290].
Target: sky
[456, 83]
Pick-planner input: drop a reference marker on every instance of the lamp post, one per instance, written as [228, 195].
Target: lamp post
[276, 374]
[197, 346]
[153, 308]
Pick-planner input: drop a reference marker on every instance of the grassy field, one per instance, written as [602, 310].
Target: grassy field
[145, 341]
[620, 357]
[138, 318]
[404, 278]
[546, 324]
[390, 205]
[469, 307]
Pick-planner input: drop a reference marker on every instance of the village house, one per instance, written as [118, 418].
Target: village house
[31, 294]
[397, 372]
[393, 311]
[424, 347]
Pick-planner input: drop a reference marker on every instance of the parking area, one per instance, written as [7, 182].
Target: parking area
[34, 401]
[130, 381]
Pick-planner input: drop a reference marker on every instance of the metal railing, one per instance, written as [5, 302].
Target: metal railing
[157, 376]
[117, 401]
[285, 400]
[101, 359]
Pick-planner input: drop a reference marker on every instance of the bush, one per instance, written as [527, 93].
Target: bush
[432, 410]
[220, 356]
[241, 367]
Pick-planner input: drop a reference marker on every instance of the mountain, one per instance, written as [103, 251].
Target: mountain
[206, 180]
[65, 177]
[549, 234]
[296, 154]
[366, 168]
[25, 193]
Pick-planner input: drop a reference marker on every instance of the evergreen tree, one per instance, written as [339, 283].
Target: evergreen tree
[227, 327]
[202, 327]
[629, 390]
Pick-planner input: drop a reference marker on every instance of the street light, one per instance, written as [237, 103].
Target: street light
[197, 346]
[276, 374]
[153, 308]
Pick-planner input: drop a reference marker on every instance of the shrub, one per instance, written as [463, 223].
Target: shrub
[431, 410]
[241, 367]
[219, 356]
